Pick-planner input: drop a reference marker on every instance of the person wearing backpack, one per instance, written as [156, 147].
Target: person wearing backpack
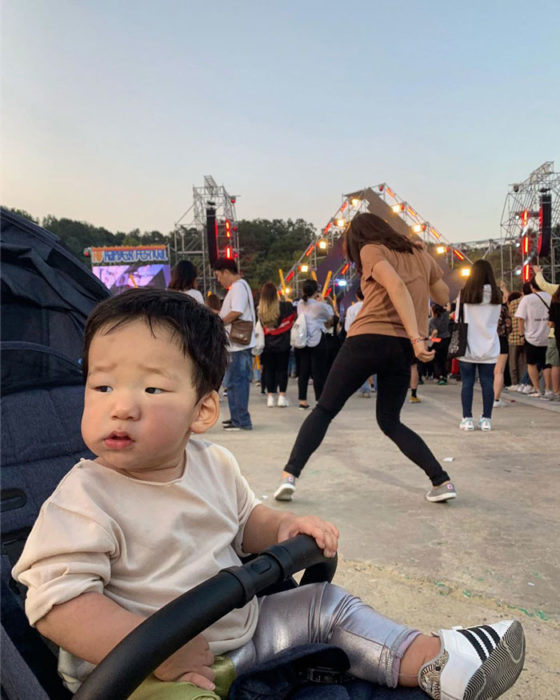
[397, 277]
[313, 355]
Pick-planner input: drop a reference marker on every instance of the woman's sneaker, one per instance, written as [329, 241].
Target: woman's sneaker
[286, 489]
[270, 401]
[441, 493]
[283, 402]
[478, 662]
[466, 424]
[484, 423]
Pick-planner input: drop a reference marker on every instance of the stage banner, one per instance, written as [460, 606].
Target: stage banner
[122, 255]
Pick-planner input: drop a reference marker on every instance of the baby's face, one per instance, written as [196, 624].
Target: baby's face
[140, 402]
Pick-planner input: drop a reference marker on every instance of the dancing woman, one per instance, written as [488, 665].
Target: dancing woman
[397, 278]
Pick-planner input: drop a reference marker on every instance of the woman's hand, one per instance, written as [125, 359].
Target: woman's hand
[421, 351]
[536, 269]
[189, 663]
[323, 532]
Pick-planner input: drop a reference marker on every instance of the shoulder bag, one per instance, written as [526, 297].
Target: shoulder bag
[241, 332]
[458, 340]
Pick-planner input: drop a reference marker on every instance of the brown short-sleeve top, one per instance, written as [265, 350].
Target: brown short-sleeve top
[418, 270]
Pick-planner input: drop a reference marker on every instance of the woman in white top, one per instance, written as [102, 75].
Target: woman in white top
[313, 357]
[183, 279]
[481, 301]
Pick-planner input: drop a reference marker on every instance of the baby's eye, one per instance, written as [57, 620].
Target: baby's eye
[104, 388]
[153, 390]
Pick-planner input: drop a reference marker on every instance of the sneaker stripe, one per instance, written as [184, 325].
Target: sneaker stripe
[475, 643]
[484, 638]
[492, 632]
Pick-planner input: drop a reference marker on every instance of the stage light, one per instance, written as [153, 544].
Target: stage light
[465, 271]
[228, 252]
[228, 228]
[287, 290]
[418, 228]
[304, 268]
[525, 245]
[340, 222]
[517, 271]
[441, 249]
[524, 217]
[322, 244]
[458, 254]
[355, 202]
[397, 208]
[527, 273]
[341, 283]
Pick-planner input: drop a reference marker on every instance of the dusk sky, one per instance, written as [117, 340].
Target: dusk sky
[112, 111]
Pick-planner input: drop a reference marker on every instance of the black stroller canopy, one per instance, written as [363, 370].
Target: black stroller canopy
[47, 295]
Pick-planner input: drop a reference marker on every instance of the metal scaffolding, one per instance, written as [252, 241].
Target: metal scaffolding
[190, 239]
[520, 218]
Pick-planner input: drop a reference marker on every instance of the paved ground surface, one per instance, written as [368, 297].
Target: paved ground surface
[493, 553]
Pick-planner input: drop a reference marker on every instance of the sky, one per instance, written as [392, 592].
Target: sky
[113, 111]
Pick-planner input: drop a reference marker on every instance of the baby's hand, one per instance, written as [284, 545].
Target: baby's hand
[323, 532]
[189, 663]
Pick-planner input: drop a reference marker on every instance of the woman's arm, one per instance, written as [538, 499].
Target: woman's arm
[386, 275]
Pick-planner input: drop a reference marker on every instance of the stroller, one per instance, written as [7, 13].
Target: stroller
[46, 297]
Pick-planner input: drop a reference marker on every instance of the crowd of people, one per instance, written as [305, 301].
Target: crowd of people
[511, 339]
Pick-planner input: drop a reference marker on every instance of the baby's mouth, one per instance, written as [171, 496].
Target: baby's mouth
[118, 440]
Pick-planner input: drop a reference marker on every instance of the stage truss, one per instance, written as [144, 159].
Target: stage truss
[384, 201]
[519, 226]
[190, 241]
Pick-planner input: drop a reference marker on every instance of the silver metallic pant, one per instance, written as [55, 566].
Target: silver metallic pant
[327, 614]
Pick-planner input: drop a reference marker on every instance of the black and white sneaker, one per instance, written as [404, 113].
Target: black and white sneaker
[478, 663]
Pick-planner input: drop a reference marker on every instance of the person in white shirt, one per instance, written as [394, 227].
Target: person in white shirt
[157, 513]
[532, 312]
[313, 357]
[184, 279]
[237, 305]
[481, 301]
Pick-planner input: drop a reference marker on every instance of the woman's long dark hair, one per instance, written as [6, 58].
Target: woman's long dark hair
[556, 296]
[309, 289]
[481, 274]
[183, 276]
[369, 228]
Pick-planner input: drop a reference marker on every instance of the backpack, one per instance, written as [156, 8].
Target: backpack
[298, 334]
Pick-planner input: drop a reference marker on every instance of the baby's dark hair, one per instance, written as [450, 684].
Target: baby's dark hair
[199, 332]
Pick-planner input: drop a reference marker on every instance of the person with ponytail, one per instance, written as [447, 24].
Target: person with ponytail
[398, 276]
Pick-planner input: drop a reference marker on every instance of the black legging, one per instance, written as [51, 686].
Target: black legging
[360, 357]
[312, 363]
[440, 360]
[275, 370]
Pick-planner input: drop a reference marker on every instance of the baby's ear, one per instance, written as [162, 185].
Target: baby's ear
[208, 412]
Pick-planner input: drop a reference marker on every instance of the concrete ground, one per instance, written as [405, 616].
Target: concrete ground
[492, 553]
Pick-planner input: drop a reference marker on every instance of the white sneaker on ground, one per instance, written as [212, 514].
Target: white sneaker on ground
[286, 489]
[498, 403]
[476, 663]
[466, 424]
[525, 388]
[533, 394]
[270, 402]
[283, 402]
[484, 423]
[548, 395]
[512, 387]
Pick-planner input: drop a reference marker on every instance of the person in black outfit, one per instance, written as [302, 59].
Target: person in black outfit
[277, 318]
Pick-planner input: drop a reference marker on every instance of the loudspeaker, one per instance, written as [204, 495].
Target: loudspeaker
[545, 225]
[211, 234]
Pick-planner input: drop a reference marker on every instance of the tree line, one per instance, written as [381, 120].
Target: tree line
[265, 245]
